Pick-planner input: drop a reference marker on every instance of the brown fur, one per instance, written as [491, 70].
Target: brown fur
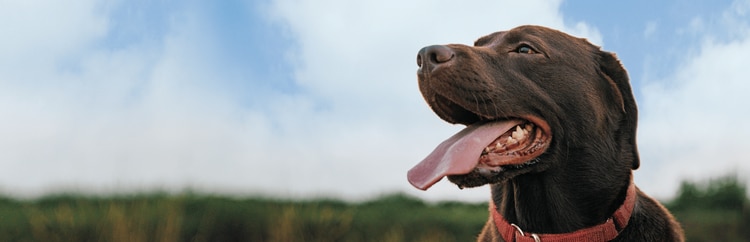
[584, 94]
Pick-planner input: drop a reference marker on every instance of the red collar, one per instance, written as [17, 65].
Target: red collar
[603, 232]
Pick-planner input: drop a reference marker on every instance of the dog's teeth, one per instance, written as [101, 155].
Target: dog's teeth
[511, 141]
[528, 127]
[486, 149]
[518, 134]
[499, 147]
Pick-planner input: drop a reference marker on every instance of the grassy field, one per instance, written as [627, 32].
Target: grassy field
[713, 211]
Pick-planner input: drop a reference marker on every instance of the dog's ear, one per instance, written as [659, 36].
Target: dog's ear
[615, 73]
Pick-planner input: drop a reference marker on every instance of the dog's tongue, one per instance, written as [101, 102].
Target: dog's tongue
[457, 155]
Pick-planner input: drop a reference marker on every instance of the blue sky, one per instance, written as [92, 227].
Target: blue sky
[648, 54]
[300, 98]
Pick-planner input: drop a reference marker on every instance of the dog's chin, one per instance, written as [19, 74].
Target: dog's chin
[481, 176]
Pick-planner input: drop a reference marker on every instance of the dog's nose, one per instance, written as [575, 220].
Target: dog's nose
[432, 56]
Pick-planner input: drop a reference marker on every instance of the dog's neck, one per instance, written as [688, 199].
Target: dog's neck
[542, 203]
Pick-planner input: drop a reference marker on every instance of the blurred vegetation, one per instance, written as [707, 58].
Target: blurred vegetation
[715, 210]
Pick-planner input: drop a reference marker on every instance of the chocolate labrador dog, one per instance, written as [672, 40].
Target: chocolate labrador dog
[551, 126]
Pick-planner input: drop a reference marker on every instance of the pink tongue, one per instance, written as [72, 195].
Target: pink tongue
[457, 155]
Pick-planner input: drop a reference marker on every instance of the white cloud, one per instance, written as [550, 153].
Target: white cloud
[692, 122]
[76, 115]
[43, 32]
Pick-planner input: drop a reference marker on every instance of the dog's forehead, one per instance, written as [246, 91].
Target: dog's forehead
[487, 39]
[542, 37]
[513, 34]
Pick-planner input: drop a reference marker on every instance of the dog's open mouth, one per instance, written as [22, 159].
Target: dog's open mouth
[487, 147]
[513, 148]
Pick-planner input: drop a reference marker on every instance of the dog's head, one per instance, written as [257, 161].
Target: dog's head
[533, 99]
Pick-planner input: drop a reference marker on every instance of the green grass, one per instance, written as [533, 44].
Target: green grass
[716, 211]
[191, 217]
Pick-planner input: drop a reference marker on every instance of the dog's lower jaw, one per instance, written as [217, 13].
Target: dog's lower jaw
[473, 179]
[482, 176]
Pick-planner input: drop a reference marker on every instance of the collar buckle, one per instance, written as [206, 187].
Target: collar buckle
[533, 235]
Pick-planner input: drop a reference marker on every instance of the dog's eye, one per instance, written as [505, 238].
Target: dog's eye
[525, 49]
